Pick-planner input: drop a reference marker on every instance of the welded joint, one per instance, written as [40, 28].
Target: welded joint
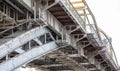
[81, 38]
[38, 41]
[51, 36]
[56, 2]
[86, 45]
[19, 50]
[78, 27]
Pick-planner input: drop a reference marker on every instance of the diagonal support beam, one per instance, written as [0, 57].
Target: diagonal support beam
[15, 43]
[51, 36]
[78, 27]
[92, 69]
[85, 63]
[86, 45]
[81, 38]
[56, 2]
[73, 55]
[19, 50]
[50, 65]
[38, 41]
[28, 56]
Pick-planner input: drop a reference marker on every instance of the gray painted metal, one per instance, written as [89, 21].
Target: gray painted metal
[28, 56]
[38, 41]
[19, 50]
[15, 43]
[11, 36]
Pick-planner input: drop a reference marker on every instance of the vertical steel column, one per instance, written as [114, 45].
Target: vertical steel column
[29, 44]
[34, 10]
[6, 57]
[45, 38]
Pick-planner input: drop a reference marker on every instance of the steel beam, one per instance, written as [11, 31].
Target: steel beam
[19, 50]
[81, 38]
[8, 1]
[20, 40]
[56, 2]
[28, 56]
[78, 27]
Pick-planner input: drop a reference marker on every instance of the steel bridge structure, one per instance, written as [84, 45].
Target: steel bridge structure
[53, 35]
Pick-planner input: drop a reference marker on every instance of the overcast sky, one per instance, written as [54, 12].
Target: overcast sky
[107, 13]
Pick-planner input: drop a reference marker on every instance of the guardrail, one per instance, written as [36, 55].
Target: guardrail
[73, 12]
[92, 28]
[79, 19]
[110, 53]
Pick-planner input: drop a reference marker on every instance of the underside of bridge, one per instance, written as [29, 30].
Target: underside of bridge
[52, 35]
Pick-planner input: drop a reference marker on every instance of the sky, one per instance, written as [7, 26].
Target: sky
[107, 14]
